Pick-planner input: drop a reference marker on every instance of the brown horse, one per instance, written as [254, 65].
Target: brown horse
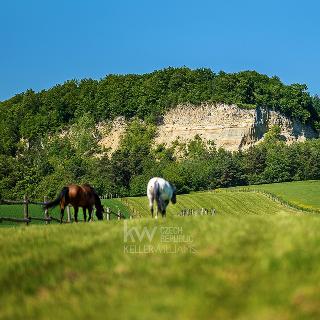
[78, 196]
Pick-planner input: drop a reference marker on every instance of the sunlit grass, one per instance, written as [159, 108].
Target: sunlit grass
[305, 194]
[235, 203]
[253, 259]
[247, 267]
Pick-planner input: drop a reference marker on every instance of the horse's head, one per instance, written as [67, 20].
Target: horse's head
[99, 212]
[174, 195]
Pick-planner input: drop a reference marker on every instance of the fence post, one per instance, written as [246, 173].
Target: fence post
[25, 209]
[108, 213]
[68, 214]
[119, 214]
[46, 211]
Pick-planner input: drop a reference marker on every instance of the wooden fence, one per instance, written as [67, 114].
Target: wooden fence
[46, 217]
[110, 196]
[26, 217]
[196, 212]
[117, 214]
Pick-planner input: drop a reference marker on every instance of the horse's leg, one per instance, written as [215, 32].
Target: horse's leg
[90, 209]
[160, 207]
[158, 210]
[150, 195]
[76, 209]
[85, 214]
[151, 207]
[62, 206]
[164, 208]
[61, 213]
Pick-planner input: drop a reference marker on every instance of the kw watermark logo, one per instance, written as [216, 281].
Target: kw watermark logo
[156, 240]
[135, 233]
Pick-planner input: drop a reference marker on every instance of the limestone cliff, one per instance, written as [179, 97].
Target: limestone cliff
[228, 126]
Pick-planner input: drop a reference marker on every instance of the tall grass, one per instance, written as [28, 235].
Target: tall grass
[241, 267]
[253, 259]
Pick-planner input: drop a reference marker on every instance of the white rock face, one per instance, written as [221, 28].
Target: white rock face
[228, 126]
[112, 134]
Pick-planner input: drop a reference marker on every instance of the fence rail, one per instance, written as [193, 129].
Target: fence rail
[46, 217]
[3, 201]
[26, 218]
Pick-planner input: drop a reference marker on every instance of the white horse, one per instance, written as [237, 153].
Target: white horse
[162, 192]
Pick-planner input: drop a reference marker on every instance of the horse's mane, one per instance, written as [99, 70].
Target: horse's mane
[95, 194]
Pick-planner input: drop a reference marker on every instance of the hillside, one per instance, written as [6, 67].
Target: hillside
[118, 132]
[253, 259]
[30, 116]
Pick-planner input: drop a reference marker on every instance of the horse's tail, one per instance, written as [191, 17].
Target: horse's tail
[156, 192]
[55, 202]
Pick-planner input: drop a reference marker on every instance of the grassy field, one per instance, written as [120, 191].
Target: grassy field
[304, 194]
[234, 203]
[253, 259]
[253, 267]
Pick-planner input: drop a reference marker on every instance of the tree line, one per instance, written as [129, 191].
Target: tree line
[43, 169]
[49, 138]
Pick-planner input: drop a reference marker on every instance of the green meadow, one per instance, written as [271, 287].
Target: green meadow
[253, 259]
[304, 194]
[222, 201]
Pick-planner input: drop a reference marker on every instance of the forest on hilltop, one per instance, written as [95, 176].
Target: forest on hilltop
[35, 158]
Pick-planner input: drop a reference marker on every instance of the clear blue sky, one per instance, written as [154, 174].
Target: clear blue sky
[45, 42]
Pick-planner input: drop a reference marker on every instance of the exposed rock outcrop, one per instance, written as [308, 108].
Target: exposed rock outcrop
[228, 126]
[112, 134]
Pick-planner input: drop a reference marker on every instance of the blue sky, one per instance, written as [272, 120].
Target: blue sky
[50, 41]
